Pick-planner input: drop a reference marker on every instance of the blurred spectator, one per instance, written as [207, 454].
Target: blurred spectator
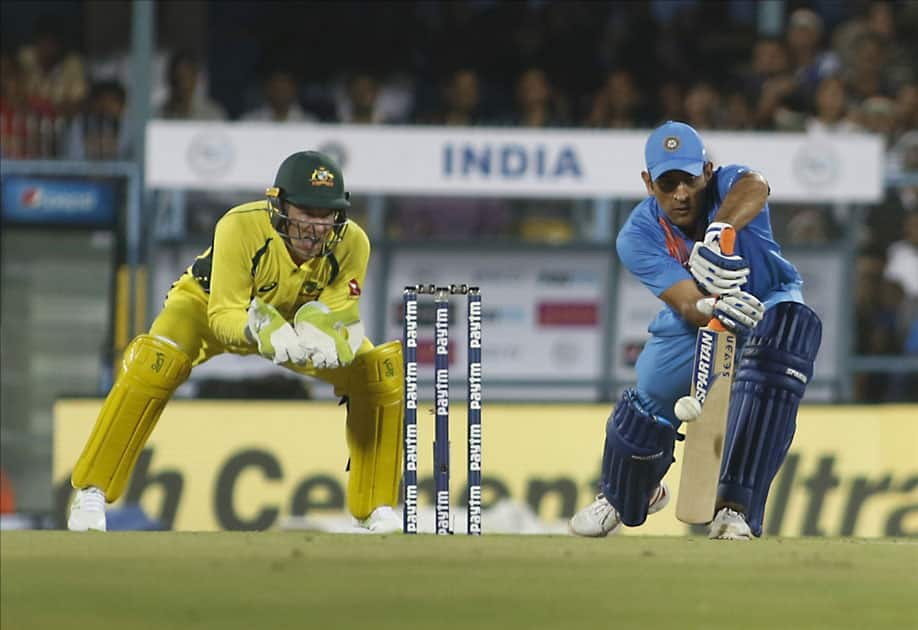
[810, 62]
[363, 98]
[27, 121]
[460, 101]
[52, 72]
[877, 114]
[536, 102]
[702, 106]
[98, 132]
[810, 226]
[770, 83]
[902, 258]
[884, 221]
[670, 101]
[360, 102]
[903, 158]
[831, 109]
[738, 113]
[900, 62]
[618, 103]
[865, 75]
[877, 302]
[769, 60]
[280, 100]
[880, 21]
[907, 108]
[185, 101]
[868, 274]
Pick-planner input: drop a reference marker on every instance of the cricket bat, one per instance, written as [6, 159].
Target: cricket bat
[712, 379]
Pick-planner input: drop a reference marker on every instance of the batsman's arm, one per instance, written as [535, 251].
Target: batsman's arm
[744, 199]
[683, 298]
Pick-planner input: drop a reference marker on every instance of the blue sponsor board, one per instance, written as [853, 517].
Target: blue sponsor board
[58, 201]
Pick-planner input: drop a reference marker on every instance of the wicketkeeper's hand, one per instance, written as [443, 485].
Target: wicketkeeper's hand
[274, 335]
[738, 311]
[716, 272]
[330, 342]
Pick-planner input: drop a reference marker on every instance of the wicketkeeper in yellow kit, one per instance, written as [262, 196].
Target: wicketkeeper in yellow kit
[282, 278]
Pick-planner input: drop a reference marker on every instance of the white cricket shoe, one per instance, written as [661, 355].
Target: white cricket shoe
[383, 520]
[87, 511]
[599, 518]
[729, 525]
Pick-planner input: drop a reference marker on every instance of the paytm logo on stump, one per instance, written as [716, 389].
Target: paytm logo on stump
[511, 161]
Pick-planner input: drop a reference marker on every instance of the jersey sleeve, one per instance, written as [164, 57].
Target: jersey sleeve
[644, 254]
[230, 282]
[727, 176]
[347, 286]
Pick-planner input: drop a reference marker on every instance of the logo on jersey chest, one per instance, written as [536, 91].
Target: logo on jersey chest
[311, 289]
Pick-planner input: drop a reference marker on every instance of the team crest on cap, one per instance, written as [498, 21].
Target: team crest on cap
[671, 143]
[322, 177]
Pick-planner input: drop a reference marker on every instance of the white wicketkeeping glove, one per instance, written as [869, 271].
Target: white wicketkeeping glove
[716, 272]
[738, 311]
[330, 342]
[274, 335]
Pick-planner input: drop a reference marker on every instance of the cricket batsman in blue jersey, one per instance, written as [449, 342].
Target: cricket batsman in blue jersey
[671, 243]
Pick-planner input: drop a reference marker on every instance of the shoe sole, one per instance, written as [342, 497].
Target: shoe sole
[570, 529]
[727, 536]
[74, 526]
[84, 529]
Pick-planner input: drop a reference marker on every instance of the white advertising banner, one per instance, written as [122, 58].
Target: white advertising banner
[498, 161]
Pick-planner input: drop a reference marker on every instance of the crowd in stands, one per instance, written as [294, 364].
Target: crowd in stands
[572, 65]
[830, 67]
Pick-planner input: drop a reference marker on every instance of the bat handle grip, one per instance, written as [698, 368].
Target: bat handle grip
[727, 245]
[727, 240]
[715, 324]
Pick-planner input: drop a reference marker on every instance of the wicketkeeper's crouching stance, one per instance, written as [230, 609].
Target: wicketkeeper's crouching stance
[672, 243]
[282, 278]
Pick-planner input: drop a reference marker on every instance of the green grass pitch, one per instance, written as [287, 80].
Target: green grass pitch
[300, 580]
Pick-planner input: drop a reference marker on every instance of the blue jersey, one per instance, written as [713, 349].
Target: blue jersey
[655, 250]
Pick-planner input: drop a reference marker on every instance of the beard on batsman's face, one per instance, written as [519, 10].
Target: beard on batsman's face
[683, 213]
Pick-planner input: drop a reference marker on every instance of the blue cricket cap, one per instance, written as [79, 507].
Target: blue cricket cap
[674, 146]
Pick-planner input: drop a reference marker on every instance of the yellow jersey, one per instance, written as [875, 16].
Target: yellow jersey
[248, 258]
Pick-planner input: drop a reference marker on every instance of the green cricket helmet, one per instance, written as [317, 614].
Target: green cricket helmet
[309, 179]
